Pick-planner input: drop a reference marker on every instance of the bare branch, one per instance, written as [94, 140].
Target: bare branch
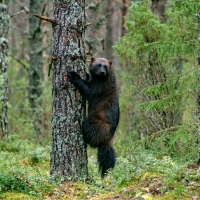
[19, 61]
[88, 24]
[22, 6]
[46, 18]
[18, 13]
[89, 53]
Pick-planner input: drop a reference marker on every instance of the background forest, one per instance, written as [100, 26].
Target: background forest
[155, 49]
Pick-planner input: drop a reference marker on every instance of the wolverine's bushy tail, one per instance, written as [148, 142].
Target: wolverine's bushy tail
[106, 158]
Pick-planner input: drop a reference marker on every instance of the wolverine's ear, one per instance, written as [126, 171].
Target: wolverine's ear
[110, 62]
[92, 59]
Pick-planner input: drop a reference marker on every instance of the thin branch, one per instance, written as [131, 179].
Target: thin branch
[18, 13]
[46, 18]
[89, 53]
[170, 129]
[22, 6]
[43, 10]
[41, 49]
[19, 61]
[88, 24]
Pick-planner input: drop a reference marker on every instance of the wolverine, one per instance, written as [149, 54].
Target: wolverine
[101, 91]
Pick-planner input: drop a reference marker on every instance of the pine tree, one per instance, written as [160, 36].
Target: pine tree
[68, 153]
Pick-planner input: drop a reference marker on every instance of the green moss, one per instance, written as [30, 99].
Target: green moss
[16, 196]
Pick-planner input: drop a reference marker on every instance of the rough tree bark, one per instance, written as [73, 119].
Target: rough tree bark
[4, 22]
[68, 153]
[35, 69]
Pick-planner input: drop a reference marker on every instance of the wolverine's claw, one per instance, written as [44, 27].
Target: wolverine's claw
[72, 76]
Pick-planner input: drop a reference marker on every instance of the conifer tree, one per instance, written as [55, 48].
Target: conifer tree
[68, 153]
[4, 18]
[35, 68]
[151, 52]
[68, 157]
[198, 92]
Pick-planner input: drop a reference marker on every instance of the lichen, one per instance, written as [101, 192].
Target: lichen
[68, 155]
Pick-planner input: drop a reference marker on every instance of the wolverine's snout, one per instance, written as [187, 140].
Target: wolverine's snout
[103, 73]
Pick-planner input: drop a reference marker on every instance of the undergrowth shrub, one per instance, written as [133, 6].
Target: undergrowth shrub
[12, 143]
[13, 181]
[24, 166]
[39, 155]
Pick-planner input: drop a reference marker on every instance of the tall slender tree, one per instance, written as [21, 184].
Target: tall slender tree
[124, 9]
[113, 29]
[4, 18]
[198, 91]
[35, 69]
[68, 153]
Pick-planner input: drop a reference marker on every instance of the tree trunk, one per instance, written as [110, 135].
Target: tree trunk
[4, 18]
[198, 59]
[113, 29]
[124, 13]
[198, 93]
[68, 153]
[158, 8]
[35, 69]
[109, 30]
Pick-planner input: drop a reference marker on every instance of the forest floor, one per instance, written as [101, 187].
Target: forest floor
[151, 189]
[24, 174]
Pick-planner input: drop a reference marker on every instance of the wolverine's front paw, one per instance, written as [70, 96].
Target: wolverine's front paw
[73, 76]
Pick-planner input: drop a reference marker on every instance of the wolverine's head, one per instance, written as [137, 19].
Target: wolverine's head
[100, 67]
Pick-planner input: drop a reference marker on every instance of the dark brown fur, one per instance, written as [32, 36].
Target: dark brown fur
[101, 91]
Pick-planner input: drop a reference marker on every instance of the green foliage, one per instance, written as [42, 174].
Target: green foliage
[26, 171]
[172, 38]
[13, 181]
[21, 164]
[160, 59]
[158, 166]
